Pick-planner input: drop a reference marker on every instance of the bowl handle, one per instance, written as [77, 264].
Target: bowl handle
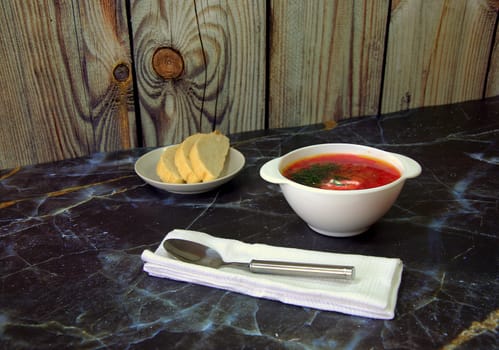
[412, 168]
[270, 172]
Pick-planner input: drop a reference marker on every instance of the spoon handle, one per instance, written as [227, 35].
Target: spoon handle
[300, 269]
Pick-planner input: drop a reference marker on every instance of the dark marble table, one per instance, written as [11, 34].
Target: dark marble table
[71, 235]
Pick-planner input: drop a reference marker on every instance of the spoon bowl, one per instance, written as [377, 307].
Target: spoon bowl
[193, 252]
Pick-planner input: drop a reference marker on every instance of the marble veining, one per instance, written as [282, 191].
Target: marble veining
[71, 235]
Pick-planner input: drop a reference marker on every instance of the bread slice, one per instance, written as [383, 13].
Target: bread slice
[166, 169]
[182, 161]
[208, 155]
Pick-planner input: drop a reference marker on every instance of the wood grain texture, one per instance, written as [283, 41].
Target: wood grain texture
[107, 64]
[66, 86]
[222, 44]
[492, 88]
[437, 52]
[326, 60]
[58, 96]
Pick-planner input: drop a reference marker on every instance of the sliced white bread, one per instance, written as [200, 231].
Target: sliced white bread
[166, 169]
[208, 155]
[183, 162]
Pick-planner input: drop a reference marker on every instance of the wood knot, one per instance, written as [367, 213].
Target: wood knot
[167, 63]
[121, 72]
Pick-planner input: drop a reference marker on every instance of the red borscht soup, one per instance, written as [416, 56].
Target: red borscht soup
[341, 172]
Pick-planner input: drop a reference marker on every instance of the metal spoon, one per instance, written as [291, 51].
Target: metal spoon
[200, 254]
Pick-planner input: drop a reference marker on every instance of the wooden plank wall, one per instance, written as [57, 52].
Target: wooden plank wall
[326, 60]
[58, 96]
[222, 45]
[445, 61]
[492, 83]
[84, 76]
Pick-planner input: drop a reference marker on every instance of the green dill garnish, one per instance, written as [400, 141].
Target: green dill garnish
[314, 175]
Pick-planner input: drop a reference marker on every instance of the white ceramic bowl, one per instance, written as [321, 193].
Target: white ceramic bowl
[339, 213]
[145, 167]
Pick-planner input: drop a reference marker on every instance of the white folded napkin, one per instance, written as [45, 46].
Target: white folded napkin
[373, 292]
